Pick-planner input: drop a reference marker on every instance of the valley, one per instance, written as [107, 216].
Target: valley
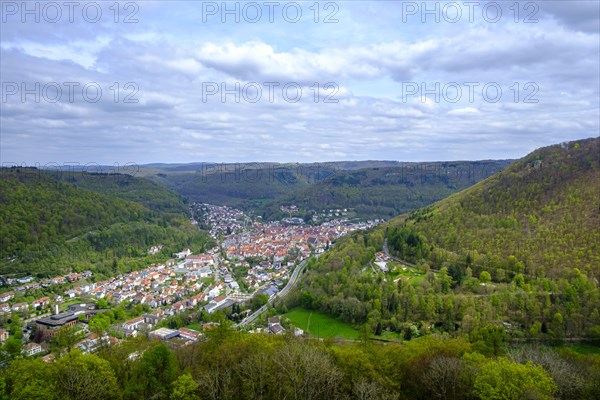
[485, 267]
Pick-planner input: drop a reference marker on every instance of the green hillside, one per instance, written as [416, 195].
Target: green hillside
[373, 189]
[144, 191]
[387, 191]
[48, 226]
[518, 252]
[244, 186]
[543, 210]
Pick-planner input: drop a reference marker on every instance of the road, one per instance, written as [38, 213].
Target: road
[281, 295]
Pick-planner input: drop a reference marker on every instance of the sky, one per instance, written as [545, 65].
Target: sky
[118, 82]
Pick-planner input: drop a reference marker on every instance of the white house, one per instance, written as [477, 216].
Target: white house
[31, 349]
[133, 324]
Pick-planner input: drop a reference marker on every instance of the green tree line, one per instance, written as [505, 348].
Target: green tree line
[232, 365]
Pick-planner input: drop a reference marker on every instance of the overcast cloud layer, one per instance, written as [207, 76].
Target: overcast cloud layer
[364, 80]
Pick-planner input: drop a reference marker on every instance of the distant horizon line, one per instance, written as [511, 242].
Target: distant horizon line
[77, 165]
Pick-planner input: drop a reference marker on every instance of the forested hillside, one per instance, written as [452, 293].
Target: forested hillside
[544, 211]
[389, 191]
[245, 186]
[50, 227]
[472, 267]
[373, 189]
[232, 366]
[127, 187]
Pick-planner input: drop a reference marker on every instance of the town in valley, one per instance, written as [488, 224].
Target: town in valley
[252, 258]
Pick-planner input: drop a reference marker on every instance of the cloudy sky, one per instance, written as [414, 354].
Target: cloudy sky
[189, 81]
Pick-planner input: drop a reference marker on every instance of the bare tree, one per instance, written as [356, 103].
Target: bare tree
[306, 373]
[570, 377]
[215, 382]
[370, 390]
[442, 377]
[255, 372]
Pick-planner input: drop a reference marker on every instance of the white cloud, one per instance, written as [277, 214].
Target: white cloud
[464, 111]
[370, 54]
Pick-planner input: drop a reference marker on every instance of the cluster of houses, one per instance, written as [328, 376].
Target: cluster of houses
[277, 241]
[175, 285]
[6, 308]
[31, 285]
[188, 282]
[222, 220]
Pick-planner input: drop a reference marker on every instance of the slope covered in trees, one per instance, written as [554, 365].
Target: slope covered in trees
[257, 366]
[389, 191]
[468, 273]
[539, 217]
[373, 189]
[127, 187]
[48, 226]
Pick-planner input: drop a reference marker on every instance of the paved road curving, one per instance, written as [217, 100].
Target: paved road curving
[282, 294]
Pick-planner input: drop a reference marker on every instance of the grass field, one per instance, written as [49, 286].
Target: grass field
[195, 326]
[583, 348]
[321, 325]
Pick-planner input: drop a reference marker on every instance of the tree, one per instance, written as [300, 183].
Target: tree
[68, 337]
[258, 300]
[572, 376]
[86, 377]
[378, 329]
[305, 373]
[445, 279]
[11, 349]
[31, 379]
[364, 389]
[16, 326]
[503, 379]
[557, 326]
[222, 331]
[489, 339]
[3, 394]
[185, 388]
[99, 324]
[102, 303]
[535, 329]
[154, 374]
[485, 277]
[519, 280]
[442, 378]
[255, 371]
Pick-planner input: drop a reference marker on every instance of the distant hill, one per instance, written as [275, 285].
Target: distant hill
[244, 186]
[543, 210]
[49, 226]
[385, 192]
[126, 187]
[374, 189]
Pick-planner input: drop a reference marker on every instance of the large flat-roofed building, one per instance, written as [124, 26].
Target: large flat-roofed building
[52, 324]
[164, 333]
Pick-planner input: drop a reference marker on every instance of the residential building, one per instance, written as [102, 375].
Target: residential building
[133, 324]
[4, 297]
[31, 349]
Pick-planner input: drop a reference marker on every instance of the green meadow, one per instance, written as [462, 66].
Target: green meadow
[320, 324]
